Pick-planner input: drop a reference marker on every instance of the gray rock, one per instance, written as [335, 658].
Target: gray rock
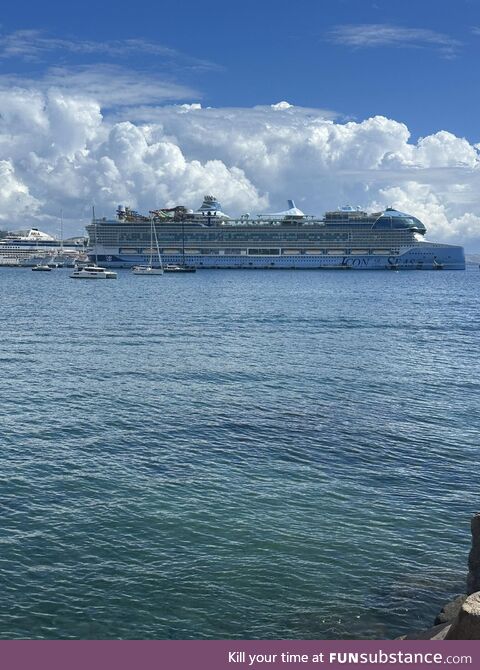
[473, 579]
[436, 633]
[467, 624]
[450, 611]
[442, 633]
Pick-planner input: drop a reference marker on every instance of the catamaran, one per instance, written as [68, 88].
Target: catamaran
[92, 271]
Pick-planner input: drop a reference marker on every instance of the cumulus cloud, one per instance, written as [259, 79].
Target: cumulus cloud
[14, 194]
[59, 150]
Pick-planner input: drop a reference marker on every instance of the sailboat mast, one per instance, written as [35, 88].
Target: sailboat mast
[95, 234]
[156, 244]
[61, 232]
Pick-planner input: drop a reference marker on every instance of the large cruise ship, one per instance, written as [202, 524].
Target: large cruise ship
[347, 238]
[32, 246]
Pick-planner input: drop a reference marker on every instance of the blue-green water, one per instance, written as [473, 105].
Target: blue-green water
[235, 454]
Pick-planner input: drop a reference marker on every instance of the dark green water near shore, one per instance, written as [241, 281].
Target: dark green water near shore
[236, 454]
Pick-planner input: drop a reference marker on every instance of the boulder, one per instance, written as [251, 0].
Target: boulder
[450, 611]
[435, 633]
[467, 624]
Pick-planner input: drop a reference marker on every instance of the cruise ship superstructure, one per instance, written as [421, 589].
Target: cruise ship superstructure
[347, 238]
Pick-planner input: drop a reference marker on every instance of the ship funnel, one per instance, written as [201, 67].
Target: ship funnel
[291, 204]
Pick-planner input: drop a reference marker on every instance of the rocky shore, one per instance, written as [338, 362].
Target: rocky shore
[460, 618]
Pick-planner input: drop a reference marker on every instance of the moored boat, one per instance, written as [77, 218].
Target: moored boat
[179, 268]
[42, 268]
[146, 270]
[93, 272]
[150, 269]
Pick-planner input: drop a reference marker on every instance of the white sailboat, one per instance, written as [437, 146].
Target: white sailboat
[150, 269]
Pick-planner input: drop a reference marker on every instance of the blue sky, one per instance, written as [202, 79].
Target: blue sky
[412, 61]
[329, 102]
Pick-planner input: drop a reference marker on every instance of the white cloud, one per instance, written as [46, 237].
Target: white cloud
[382, 34]
[58, 151]
[444, 149]
[14, 195]
[38, 46]
[281, 105]
[108, 85]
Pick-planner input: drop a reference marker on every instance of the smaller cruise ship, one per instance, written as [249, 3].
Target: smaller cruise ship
[32, 247]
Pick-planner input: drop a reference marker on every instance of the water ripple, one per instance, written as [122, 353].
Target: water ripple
[248, 455]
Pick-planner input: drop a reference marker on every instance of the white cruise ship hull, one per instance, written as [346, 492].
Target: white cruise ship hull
[424, 256]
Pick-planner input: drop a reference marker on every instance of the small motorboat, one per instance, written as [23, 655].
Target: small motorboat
[41, 268]
[180, 268]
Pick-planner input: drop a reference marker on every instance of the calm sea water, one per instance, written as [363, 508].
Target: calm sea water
[236, 454]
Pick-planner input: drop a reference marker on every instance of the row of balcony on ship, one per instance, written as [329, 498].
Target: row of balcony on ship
[261, 251]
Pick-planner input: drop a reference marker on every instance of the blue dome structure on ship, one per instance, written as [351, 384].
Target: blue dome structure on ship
[393, 219]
